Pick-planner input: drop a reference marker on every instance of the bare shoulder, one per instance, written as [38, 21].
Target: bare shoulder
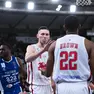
[18, 58]
[89, 46]
[19, 61]
[30, 48]
[89, 43]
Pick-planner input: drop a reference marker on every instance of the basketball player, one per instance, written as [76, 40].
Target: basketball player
[68, 59]
[9, 70]
[36, 58]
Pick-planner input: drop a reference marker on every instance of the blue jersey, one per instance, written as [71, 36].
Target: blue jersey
[9, 75]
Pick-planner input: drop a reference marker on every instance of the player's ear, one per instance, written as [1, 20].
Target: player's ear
[79, 26]
[37, 35]
[64, 26]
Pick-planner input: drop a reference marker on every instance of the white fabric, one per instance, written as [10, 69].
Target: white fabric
[29, 72]
[1, 88]
[37, 77]
[73, 88]
[39, 89]
[73, 53]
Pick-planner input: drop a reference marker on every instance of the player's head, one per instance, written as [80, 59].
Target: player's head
[71, 24]
[43, 35]
[5, 49]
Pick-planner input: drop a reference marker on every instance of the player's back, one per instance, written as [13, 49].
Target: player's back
[71, 59]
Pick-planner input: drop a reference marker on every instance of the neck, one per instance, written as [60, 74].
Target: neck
[72, 32]
[40, 45]
[7, 58]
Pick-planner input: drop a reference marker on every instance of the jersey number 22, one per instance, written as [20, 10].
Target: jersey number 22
[68, 60]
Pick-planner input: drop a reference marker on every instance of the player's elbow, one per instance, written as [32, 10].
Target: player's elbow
[27, 59]
[48, 74]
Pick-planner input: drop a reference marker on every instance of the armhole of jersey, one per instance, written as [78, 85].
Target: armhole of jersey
[56, 46]
[17, 61]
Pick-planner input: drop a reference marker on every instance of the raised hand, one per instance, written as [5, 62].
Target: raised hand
[48, 45]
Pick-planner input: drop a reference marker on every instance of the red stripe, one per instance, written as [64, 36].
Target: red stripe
[32, 79]
[29, 72]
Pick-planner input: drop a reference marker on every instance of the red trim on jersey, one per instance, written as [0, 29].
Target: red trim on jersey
[32, 79]
[29, 72]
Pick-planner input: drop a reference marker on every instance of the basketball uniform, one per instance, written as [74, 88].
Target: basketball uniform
[71, 68]
[9, 76]
[29, 74]
[40, 83]
[1, 89]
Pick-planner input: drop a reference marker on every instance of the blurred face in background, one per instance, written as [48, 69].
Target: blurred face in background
[4, 51]
[43, 36]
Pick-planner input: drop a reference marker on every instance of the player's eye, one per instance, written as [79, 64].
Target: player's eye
[42, 34]
[47, 34]
[1, 49]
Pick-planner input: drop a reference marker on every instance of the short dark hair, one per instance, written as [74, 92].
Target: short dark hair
[43, 27]
[71, 22]
[6, 44]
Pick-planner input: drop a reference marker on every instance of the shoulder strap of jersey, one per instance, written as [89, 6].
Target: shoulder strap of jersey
[36, 47]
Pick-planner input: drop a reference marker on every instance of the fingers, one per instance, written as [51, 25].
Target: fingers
[50, 42]
[91, 85]
[48, 45]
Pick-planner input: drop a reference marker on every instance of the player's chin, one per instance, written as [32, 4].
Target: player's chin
[44, 41]
[47, 40]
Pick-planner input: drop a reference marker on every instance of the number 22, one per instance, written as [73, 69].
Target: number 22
[70, 65]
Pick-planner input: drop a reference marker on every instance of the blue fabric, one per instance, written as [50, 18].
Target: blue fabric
[9, 75]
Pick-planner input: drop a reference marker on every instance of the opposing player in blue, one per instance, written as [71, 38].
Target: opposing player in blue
[10, 66]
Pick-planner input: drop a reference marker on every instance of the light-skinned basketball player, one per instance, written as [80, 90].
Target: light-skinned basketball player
[68, 59]
[36, 58]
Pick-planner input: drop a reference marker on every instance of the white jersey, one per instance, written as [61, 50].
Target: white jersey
[29, 72]
[37, 64]
[29, 75]
[1, 88]
[71, 59]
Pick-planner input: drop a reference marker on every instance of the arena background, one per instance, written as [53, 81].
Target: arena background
[19, 25]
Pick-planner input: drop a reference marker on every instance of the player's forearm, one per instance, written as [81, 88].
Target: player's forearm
[23, 72]
[30, 58]
[92, 78]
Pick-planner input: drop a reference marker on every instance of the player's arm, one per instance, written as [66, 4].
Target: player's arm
[53, 85]
[22, 69]
[31, 54]
[50, 62]
[90, 49]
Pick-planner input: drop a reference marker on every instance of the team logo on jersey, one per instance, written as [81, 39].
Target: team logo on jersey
[3, 66]
[42, 66]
